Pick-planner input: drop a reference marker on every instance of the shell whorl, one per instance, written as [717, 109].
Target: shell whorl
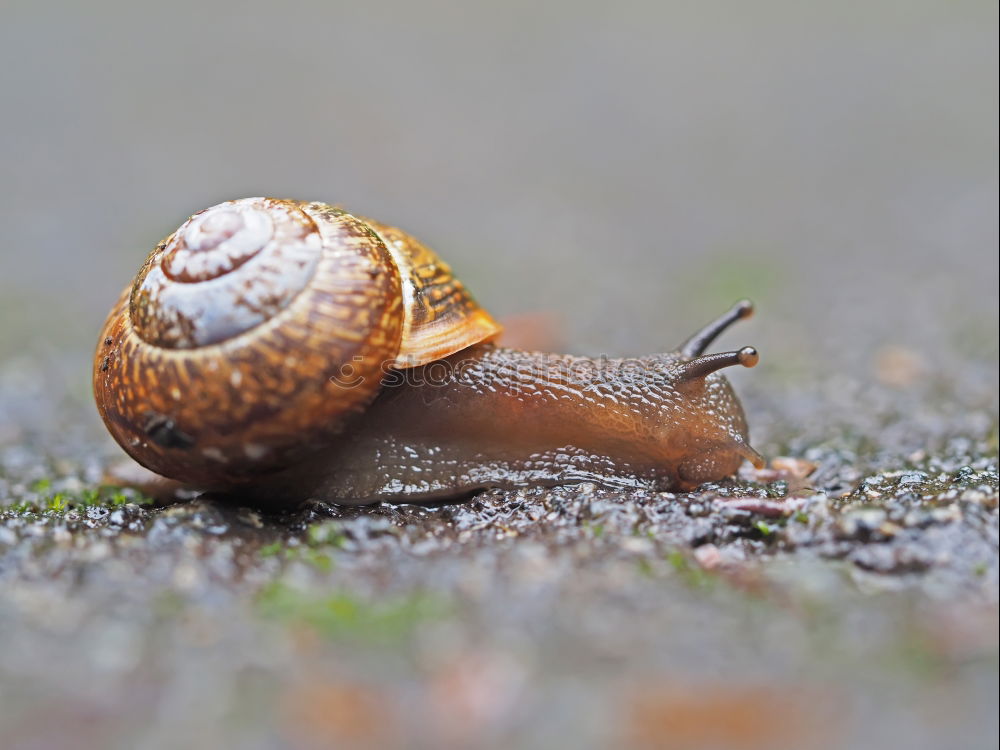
[247, 337]
[227, 269]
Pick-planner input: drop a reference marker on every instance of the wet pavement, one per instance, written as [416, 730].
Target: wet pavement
[844, 597]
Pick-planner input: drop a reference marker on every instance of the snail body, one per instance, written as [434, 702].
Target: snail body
[282, 350]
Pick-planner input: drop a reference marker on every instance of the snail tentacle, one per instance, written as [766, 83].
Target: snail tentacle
[709, 363]
[699, 342]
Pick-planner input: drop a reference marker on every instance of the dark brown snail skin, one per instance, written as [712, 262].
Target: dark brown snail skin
[280, 350]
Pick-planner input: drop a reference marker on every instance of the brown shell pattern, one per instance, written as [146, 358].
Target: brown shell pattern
[213, 401]
[441, 317]
[226, 270]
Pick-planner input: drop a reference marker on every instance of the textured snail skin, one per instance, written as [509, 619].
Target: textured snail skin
[280, 350]
[494, 417]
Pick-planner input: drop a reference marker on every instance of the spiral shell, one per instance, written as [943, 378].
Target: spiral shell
[254, 331]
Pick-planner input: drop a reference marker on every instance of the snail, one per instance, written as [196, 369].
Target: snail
[282, 350]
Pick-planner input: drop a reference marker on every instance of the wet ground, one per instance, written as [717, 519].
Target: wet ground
[630, 171]
[846, 597]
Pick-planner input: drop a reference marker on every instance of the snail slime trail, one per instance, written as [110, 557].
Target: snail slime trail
[248, 355]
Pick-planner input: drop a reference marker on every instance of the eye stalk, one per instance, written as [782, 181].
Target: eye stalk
[698, 343]
[699, 367]
[698, 364]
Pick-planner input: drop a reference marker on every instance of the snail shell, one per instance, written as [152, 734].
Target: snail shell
[253, 332]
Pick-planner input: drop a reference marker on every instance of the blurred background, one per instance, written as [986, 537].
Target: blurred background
[616, 174]
[629, 169]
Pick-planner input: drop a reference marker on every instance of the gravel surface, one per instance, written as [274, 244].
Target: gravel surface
[836, 164]
[846, 597]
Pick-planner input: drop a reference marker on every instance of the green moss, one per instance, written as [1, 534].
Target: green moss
[645, 567]
[690, 572]
[19, 509]
[41, 485]
[61, 502]
[271, 550]
[119, 498]
[318, 559]
[317, 537]
[344, 616]
[327, 533]
[57, 502]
